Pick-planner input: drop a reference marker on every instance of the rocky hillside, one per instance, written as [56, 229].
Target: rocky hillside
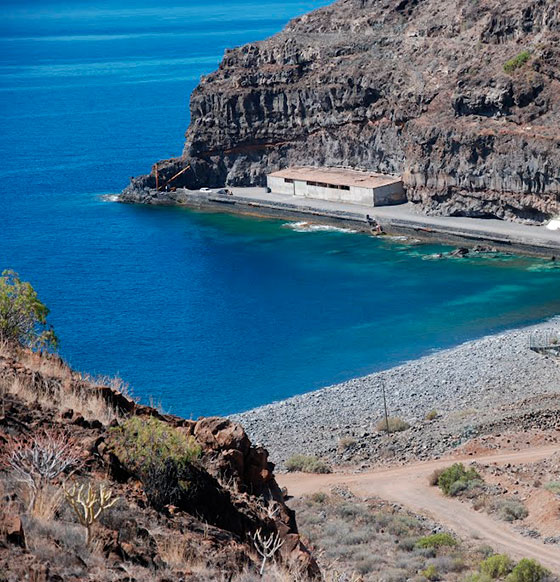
[461, 97]
[188, 499]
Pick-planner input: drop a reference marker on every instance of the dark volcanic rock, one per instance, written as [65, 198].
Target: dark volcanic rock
[211, 507]
[411, 87]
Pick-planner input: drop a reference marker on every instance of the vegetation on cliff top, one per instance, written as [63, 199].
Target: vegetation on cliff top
[23, 316]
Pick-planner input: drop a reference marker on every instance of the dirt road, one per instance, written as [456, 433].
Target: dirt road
[408, 485]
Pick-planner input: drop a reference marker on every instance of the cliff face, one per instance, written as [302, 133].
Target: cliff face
[429, 89]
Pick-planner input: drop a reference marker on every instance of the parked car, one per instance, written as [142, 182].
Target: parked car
[206, 189]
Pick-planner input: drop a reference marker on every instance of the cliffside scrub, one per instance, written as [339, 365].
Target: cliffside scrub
[183, 499]
[460, 98]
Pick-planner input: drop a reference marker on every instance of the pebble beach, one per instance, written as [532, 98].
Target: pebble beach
[465, 385]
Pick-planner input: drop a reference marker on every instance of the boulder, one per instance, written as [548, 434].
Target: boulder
[220, 434]
[13, 531]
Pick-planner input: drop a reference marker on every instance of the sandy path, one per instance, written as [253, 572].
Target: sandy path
[408, 485]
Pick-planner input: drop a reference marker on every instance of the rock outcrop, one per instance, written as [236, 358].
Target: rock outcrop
[228, 494]
[460, 97]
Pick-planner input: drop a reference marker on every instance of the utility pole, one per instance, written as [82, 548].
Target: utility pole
[385, 406]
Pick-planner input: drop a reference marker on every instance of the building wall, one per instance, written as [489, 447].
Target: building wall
[301, 188]
[389, 194]
[381, 196]
[279, 185]
[354, 195]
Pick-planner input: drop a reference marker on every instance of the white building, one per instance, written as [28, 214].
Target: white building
[338, 185]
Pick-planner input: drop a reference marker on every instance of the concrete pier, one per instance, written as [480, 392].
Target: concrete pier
[402, 219]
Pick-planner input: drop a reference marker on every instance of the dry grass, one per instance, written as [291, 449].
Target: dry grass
[116, 383]
[395, 424]
[50, 381]
[346, 442]
[276, 573]
[307, 464]
[47, 503]
[49, 365]
[175, 550]
[53, 391]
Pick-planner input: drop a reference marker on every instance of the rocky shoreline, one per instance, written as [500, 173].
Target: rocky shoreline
[461, 99]
[403, 219]
[482, 386]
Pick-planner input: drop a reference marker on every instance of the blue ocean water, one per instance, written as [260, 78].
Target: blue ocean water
[205, 313]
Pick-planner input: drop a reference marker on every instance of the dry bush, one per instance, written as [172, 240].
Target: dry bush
[290, 572]
[39, 462]
[175, 550]
[307, 464]
[510, 509]
[352, 537]
[346, 443]
[48, 501]
[396, 424]
[553, 487]
[3, 392]
[6, 348]
[434, 477]
[89, 504]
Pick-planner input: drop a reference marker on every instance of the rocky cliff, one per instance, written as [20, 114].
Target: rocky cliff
[461, 97]
[173, 520]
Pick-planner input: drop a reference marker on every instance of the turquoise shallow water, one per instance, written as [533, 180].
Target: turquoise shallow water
[205, 313]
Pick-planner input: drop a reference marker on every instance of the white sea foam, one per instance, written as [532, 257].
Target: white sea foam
[110, 197]
[309, 227]
[402, 238]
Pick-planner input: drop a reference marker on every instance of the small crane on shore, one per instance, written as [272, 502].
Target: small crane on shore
[175, 176]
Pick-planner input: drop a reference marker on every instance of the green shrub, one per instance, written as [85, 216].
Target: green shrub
[23, 317]
[141, 444]
[510, 509]
[478, 577]
[485, 551]
[319, 497]
[430, 573]
[396, 424]
[437, 540]
[528, 571]
[307, 464]
[456, 474]
[161, 457]
[553, 486]
[432, 414]
[517, 62]
[497, 566]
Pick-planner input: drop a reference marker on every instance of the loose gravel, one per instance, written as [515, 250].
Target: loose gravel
[474, 384]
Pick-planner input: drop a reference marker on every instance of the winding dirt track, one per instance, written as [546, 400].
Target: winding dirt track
[408, 485]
